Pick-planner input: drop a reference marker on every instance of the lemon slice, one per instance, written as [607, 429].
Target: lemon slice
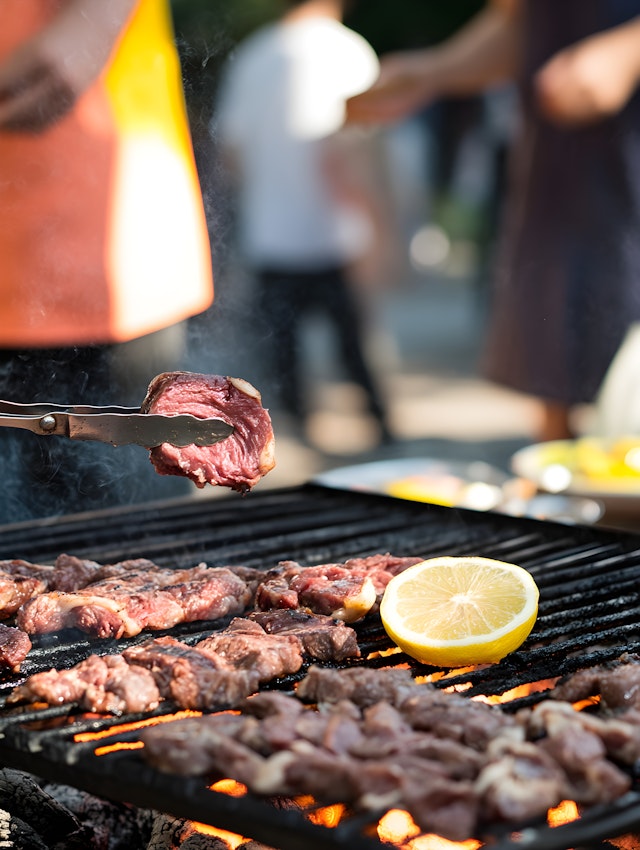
[455, 612]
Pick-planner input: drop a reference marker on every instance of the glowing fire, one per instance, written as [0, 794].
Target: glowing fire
[564, 812]
[398, 826]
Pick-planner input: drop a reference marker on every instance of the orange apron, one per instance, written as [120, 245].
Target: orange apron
[103, 236]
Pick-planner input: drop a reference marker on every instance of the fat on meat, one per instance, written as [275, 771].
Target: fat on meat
[240, 460]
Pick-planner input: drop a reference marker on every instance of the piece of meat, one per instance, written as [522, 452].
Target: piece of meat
[193, 679]
[100, 684]
[362, 685]
[124, 605]
[239, 461]
[617, 684]
[14, 647]
[323, 638]
[347, 591]
[245, 645]
[21, 580]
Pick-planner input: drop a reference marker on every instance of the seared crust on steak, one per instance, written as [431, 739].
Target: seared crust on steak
[239, 461]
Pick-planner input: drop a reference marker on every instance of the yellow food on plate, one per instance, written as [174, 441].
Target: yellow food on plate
[460, 611]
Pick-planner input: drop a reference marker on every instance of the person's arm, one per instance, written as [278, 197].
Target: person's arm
[43, 77]
[593, 78]
[483, 53]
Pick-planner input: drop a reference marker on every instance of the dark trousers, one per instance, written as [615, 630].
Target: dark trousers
[285, 299]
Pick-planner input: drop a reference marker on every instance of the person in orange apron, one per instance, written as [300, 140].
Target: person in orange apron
[103, 237]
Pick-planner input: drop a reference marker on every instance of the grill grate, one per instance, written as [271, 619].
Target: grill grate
[589, 613]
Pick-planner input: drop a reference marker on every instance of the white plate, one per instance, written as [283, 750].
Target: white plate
[475, 485]
[587, 467]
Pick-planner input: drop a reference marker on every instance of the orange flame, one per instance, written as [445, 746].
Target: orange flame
[398, 826]
[83, 737]
[564, 812]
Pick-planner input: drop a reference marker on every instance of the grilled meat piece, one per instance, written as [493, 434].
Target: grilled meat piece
[245, 645]
[14, 647]
[361, 685]
[520, 781]
[617, 684]
[153, 598]
[101, 684]
[20, 580]
[323, 638]
[239, 461]
[346, 591]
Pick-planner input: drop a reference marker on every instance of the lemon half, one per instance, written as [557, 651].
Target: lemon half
[455, 612]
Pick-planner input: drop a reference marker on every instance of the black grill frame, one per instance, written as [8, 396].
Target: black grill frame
[589, 613]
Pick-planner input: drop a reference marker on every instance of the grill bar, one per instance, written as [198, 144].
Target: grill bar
[589, 613]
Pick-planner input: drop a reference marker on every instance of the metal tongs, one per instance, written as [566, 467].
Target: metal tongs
[116, 425]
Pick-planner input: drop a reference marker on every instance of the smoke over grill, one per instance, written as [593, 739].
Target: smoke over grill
[588, 615]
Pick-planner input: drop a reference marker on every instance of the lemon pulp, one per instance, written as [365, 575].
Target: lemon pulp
[459, 611]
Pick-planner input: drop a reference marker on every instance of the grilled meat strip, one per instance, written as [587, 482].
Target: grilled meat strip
[148, 598]
[382, 740]
[14, 647]
[239, 461]
[344, 591]
[218, 671]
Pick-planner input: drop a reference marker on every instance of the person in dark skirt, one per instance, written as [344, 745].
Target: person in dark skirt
[567, 281]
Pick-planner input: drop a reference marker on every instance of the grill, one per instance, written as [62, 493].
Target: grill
[589, 613]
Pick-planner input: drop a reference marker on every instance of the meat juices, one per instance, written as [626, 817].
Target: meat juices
[239, 461]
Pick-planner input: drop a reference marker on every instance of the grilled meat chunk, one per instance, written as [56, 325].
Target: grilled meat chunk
[239, 461]
[106, 684]
[124, 605]
[323, 638]
[245, 645]
[345, 591]
[361, 685]
[14, 647]
[617, 684]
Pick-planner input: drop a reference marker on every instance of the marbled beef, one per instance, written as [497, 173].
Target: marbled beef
[239, 461]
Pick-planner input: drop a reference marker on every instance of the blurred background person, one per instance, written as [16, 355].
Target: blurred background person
[104, 250]
[307, 206]
[567, 283]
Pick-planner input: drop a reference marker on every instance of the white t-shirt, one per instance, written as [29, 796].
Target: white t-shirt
[282, 95]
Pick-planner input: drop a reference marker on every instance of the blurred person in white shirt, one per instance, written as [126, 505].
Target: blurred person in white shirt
[306, 216]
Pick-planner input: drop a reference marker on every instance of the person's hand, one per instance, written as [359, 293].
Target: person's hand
[592, 79]
[42, 79]
[403, 87]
